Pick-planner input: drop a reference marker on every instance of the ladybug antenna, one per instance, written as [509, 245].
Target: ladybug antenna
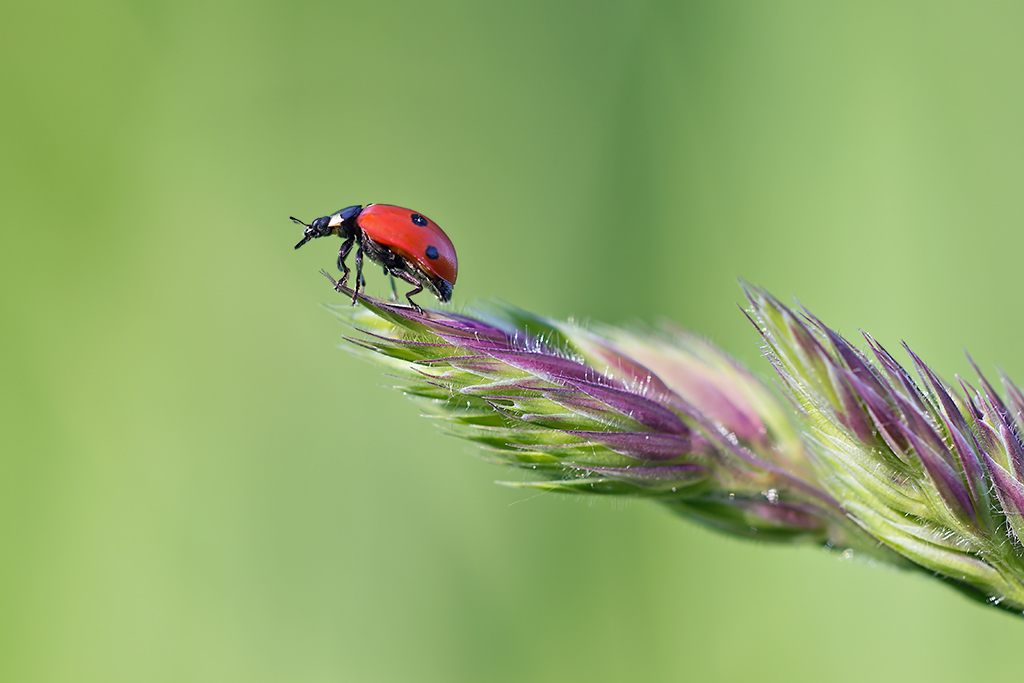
[308, 235]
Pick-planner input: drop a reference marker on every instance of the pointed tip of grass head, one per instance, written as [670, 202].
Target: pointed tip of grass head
[1015, 394]
[763, 304]
[990, 393]
[759, 297]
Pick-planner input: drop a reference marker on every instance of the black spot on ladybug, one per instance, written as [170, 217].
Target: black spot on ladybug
[420, 221]
[432, 252]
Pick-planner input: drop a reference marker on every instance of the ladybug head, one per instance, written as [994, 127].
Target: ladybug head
[438, 286]
[441, 288]
[321, 227]
[338, 223]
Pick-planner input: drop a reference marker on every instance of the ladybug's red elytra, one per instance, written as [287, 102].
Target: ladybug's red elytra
[407, 244]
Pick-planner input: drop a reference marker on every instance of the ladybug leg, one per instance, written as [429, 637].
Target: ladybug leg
[411, 279]
[342, 255]
[394, 292]
[408, 297]
[359, 274]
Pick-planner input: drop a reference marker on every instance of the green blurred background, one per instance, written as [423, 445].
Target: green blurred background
[196, 484]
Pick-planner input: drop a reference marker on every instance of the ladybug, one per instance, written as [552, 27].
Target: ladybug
[407, 244]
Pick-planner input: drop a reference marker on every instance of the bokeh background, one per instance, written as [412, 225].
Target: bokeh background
[196, 484]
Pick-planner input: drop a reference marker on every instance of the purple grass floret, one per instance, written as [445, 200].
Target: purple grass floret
[941, 454]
